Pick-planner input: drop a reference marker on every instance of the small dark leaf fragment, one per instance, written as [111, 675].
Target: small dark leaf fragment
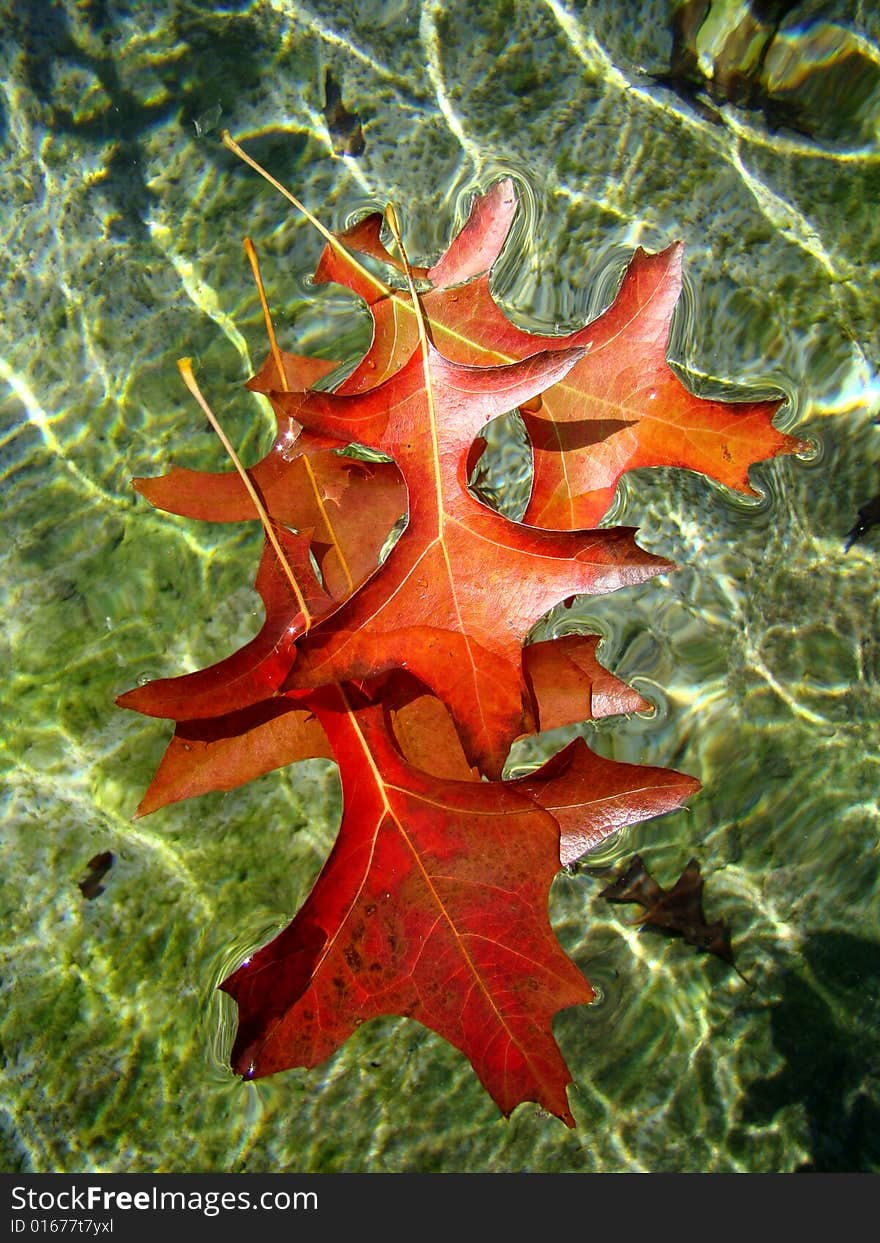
[677, 911]
[634, 885]
[869, 516]
[344, 126]
[98, 866]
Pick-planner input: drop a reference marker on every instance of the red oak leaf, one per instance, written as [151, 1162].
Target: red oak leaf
[444, 605]
[255, 671]
[566, 685]
[592, 797]
[620, 407]
[566, 682]
[290, 372]
[304, 482]
[224, 752]
[432, 904]
[407, 916]
[413, 674]
[638, 412]
[471, 252]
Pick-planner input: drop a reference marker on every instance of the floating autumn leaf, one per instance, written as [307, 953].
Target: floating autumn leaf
[592, 797]
[256, 670]
[620, 407]
[444, 605]
[432, 904]
[566, 682]
[226, 751]
[639, 413]
[305, 483]
[412, 674]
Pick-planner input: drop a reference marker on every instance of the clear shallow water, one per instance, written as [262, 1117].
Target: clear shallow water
[122, 252]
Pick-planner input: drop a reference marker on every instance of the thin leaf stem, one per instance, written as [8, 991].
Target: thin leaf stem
[331, 238]
[251, 253]
[184, 366]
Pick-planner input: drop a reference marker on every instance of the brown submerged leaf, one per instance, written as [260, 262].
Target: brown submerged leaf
[98, 866]
[344, 126]
[677, 911]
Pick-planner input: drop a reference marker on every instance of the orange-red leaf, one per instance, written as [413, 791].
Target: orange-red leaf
[592, 797]
[224, 752]
[432, 904]
[568, 684]
[636, 411]
[304, 482]
[256, 670]
[620, 407]
[412, 674]
[462, 587]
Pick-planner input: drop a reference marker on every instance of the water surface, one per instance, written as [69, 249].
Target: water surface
[122, 218]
